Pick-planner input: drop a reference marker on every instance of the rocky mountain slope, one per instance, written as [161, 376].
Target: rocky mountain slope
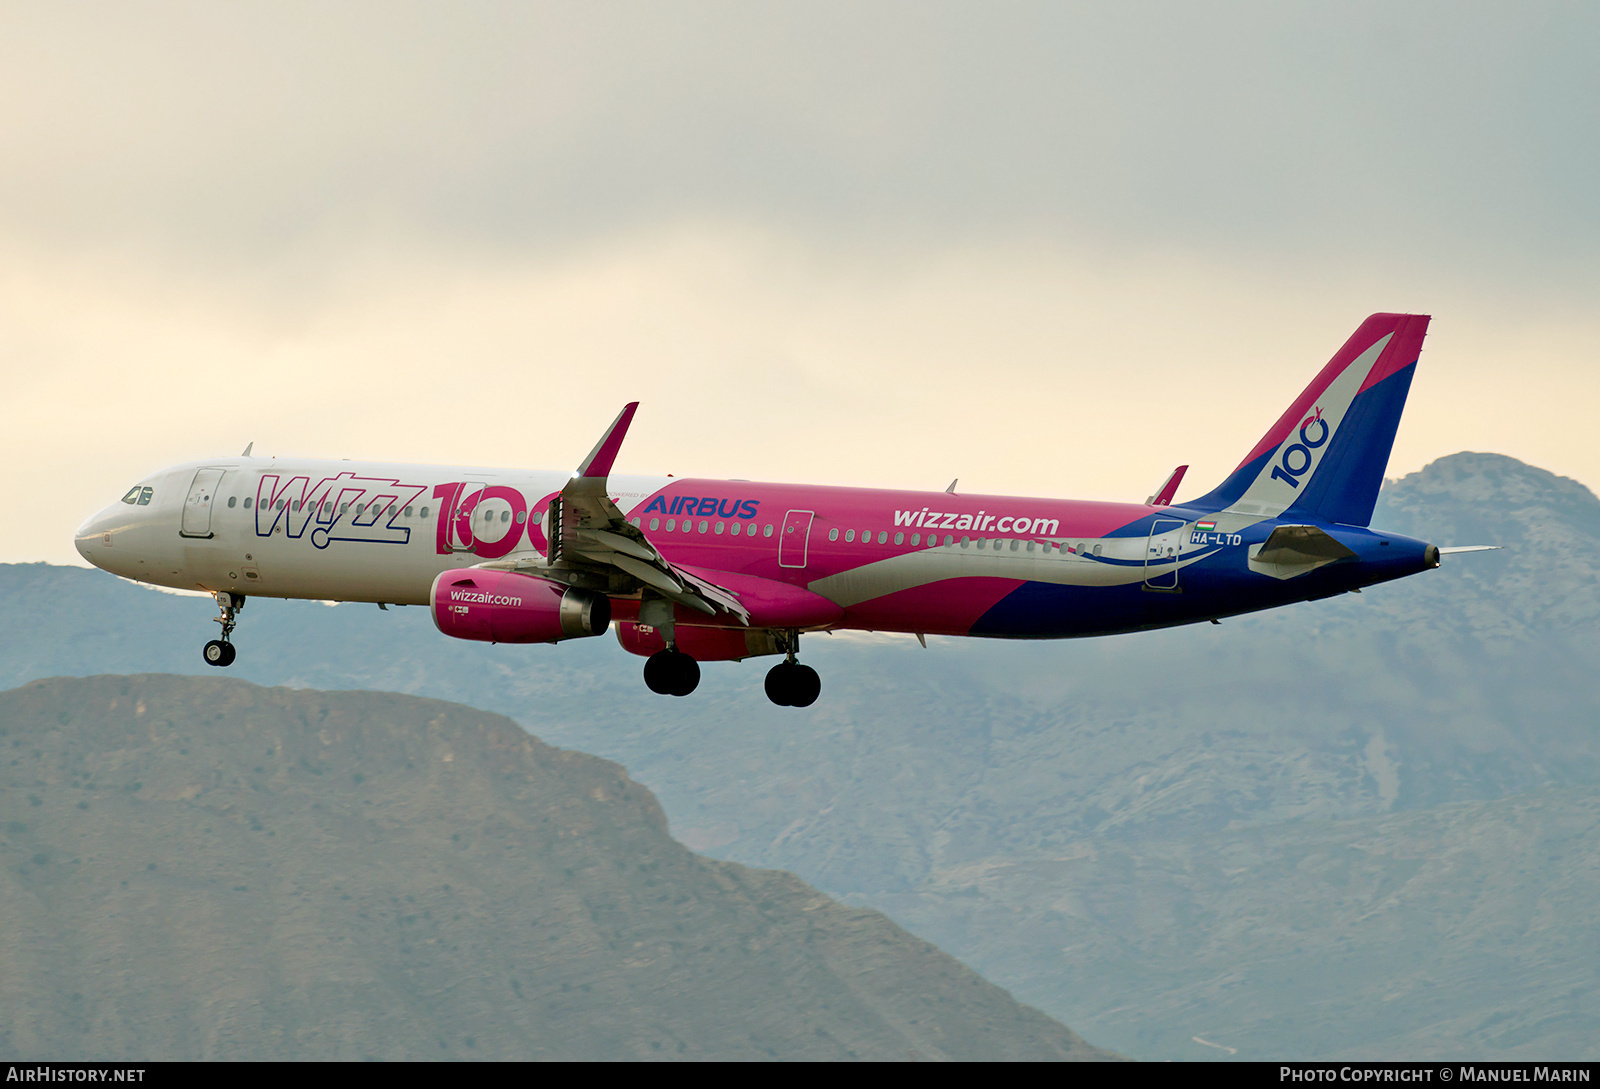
[1005, 800]
[198, 868]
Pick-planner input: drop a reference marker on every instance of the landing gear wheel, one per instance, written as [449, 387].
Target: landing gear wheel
[671, 673]
[658, 672]
[220, 652]
[687, 677]
[807, 686]
[780, 681]
[790, 684]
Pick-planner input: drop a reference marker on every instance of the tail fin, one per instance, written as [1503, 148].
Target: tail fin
[1325, 456]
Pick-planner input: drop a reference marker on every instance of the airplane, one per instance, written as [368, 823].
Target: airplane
[693, 570]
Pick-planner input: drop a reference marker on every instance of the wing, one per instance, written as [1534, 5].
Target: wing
[593, 545]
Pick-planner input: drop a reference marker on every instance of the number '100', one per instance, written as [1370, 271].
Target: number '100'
[1296, 458]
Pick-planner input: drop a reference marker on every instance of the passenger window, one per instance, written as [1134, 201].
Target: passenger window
[1030, 546]
[768, 531]
[247, 502]
[278, 505]
[703, 525]
[899, 538]
[672, 523]
[733, 529]
[883, 536]
[344, 508]
[1081, 550]
[1015, 543]
[232, 499]
[964, 541]
[981, 542]
[719, 528]
[850, 535]
[833, 534]
[916, 538]
[655, 523]
[424, 510]
[1097, 550]
[505, 515]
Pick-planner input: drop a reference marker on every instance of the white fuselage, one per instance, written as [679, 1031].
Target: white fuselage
[342, 543]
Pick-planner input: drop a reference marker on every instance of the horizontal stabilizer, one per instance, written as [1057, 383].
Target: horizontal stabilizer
[1296, 550]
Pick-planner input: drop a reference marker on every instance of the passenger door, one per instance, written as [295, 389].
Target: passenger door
[794, 538]
[1161, 554]
[197, 505]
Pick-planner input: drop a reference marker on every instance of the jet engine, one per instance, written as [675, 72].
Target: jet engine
[505, 607]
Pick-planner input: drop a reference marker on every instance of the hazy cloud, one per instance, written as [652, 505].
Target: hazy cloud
[1049, 248]
[1335, 130]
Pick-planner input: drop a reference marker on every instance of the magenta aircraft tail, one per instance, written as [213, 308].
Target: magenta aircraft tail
[1325, 457]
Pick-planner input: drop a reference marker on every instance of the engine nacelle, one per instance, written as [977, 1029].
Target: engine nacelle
[505, 607]
[701, 644]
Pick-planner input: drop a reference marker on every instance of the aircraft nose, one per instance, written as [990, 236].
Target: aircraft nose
[92, 533]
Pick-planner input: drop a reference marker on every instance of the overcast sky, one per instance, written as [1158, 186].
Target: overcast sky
[1051, 249]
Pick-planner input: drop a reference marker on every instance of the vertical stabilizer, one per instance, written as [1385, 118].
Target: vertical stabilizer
[1326, 455]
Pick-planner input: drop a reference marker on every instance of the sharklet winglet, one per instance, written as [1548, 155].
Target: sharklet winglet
[604, 454]
[1163, 495]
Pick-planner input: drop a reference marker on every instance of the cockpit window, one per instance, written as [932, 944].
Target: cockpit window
[138, 495]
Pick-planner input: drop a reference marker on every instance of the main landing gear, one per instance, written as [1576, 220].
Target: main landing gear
[671, 672]
[790, 684]
[220, 652]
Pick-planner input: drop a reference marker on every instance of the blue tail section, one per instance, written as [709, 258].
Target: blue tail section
[1345, 487]
[1325, 457]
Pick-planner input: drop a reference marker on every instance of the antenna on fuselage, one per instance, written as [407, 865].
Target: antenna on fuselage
[248, 447]
[952, 488]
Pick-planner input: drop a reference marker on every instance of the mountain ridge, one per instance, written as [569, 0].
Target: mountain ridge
[444, 886]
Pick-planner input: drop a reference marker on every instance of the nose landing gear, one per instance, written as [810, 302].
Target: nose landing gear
[221, 652]
[671, 672]
[790, 684]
